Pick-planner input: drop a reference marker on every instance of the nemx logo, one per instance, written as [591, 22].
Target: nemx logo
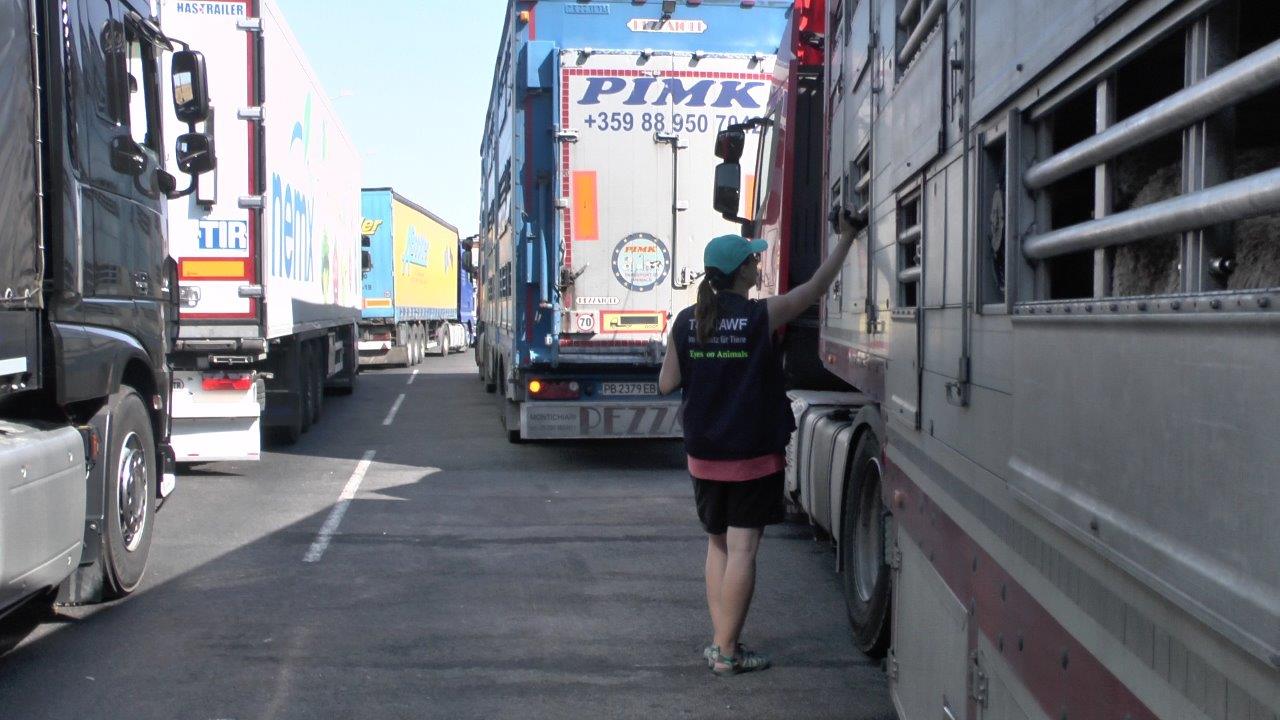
[293, 223]
[664, 92]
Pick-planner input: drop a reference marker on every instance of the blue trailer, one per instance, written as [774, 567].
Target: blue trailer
[597, 170]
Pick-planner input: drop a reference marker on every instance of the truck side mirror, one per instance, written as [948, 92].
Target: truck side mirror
[195, 153]
[190, 87]
[730, 143]
[728, 191]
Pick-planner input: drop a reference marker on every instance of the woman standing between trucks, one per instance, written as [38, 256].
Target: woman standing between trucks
[737, 422]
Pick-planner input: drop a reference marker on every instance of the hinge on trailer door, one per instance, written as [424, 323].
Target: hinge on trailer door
[565, 135]
[874, 323]
[977, 680]
[891, 665]
[250, 202]
[249, 24]
[250, 113]
[958, 391]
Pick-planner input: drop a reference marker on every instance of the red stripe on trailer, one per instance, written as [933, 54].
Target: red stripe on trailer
[567, 342]
[1048, 660]
[566, 169]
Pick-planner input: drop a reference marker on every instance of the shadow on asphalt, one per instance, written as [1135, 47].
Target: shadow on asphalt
[454, 408]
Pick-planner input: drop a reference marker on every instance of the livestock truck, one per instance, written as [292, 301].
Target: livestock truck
[87, 292]
[268, 248]
[595, 200]
[413, 289]
[1054, 493]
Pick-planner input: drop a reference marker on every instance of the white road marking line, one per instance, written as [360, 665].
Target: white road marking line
[330, 527]
[395, 408]
[413, 376]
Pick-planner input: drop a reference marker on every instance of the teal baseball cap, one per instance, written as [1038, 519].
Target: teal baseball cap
[727, 252]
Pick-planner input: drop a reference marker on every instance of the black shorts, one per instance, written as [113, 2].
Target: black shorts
[744, 504]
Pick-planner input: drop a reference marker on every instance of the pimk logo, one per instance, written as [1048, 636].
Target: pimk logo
[665, 92]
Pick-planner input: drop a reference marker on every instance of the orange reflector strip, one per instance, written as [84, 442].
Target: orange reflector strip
[213, 269]
[377, 303]
[623, 321]
[586, 221]
[749, 212]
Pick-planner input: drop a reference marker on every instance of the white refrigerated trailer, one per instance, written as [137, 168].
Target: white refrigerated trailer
[268, 249]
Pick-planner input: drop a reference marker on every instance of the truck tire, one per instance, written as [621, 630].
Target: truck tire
[317, 381]
[866, 578]
[306, 385]
[345, 383]
[513, 434]
[444, 341]
[405, 337]
[130, 493]
[490, 377]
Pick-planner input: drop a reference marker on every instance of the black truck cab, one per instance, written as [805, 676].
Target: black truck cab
[87, 288]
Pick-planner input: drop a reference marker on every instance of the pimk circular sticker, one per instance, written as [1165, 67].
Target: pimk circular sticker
[641, 262]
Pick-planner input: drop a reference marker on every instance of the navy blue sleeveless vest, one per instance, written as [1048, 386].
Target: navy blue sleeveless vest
[735, 400]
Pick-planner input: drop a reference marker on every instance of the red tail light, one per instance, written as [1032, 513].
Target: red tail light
[555, 389]
[227, 381]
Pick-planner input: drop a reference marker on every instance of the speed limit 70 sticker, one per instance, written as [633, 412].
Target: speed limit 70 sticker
[584, 322]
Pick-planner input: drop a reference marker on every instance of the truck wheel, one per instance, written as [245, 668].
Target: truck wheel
[418, 344]
[306, 387]
[350, 365]
[444, 341]
[130, 493]
[513, 434]
[862, 530]
[317, 378]
[490, 378]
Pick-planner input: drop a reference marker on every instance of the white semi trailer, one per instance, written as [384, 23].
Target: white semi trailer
[268, 249]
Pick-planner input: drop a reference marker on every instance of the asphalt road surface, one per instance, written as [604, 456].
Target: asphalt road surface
[465, 577]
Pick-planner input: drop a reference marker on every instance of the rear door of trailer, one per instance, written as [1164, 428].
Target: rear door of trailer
[636, 164]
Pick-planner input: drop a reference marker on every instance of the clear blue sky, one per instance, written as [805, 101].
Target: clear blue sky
[410, 79]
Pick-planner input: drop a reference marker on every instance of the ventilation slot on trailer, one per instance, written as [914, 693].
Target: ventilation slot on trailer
[1166, 177]
[991, 220]
[916, 21]
[910, 234]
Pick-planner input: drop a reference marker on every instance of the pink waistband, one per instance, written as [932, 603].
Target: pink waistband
[737, 470]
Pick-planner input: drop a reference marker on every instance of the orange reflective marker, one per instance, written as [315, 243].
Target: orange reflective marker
[586, 221]
[750, 210]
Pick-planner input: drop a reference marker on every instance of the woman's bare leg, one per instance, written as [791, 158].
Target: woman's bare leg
[737, 585]
[717, 556]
